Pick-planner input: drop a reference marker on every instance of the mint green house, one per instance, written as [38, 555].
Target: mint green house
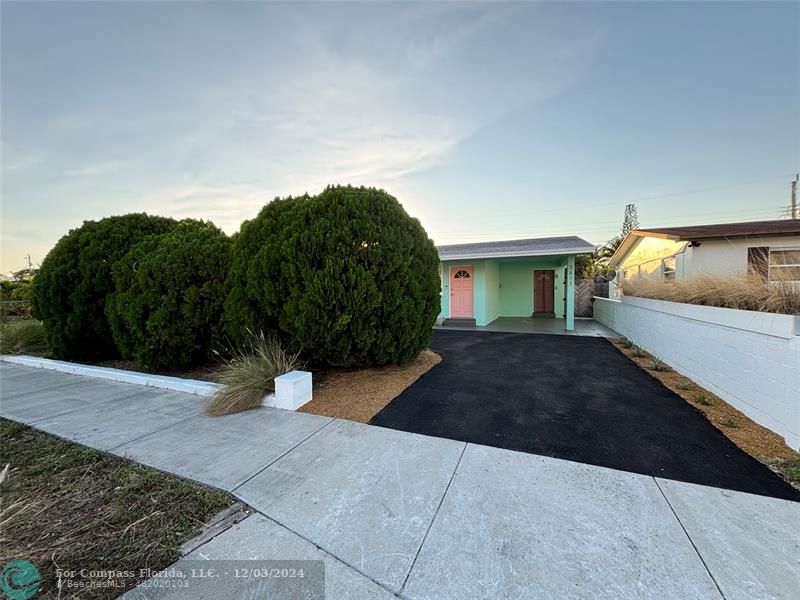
[484, 281]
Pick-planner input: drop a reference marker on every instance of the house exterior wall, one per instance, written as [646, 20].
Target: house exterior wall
[491, 303]
[730, 256]
[516, 285]
[504, 287]
[645, 258]
[718, 257]
[749, 359]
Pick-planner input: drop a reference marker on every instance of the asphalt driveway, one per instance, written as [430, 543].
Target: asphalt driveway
[575, 398]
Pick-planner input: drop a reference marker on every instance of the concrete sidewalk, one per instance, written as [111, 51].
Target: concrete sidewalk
[395, 513]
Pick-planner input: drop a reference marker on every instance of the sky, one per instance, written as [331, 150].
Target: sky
[486, 120]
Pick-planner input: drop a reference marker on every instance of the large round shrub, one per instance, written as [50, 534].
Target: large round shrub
[70, 289]
[258, 277]
[166, 311]
[347, 275]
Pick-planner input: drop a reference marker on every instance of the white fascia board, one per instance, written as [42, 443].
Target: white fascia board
[515, 255]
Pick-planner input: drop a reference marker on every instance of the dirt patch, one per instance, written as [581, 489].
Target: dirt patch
[207, 372]
[758, 441]
[71, 507]
[359, 394]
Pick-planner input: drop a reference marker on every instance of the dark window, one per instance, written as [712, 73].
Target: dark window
[758, 261]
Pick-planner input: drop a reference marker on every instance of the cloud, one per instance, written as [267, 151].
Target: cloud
[226, 206]
[97, 168]
[214, 120]
[19, 157]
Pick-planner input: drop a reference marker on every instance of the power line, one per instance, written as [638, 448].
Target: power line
[603, 226]
[644, 199]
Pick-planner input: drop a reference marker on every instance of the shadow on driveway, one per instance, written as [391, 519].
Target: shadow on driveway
[576, 398]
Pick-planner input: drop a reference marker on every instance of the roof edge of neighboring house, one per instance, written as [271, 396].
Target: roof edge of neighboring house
[742, 229]
[572, 245]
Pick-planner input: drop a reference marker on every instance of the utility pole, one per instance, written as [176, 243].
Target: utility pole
[795, 212]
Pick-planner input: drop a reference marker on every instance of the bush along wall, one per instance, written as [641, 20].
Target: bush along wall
[166, 310]
[347, 275]
[71, 287]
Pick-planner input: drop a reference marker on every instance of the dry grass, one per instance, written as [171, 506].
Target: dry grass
[759, 442]
[359, 394]
[73, 507]
[744, 292]
[250, 375]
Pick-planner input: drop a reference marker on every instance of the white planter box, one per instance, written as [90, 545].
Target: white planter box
[292, 390]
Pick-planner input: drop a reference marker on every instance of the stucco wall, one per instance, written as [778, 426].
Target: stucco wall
[730, 256]
[749, 359]
[724, 257]
[485, 289]
[645, 257]
[516, 287]
[491, 308]
[504, 287]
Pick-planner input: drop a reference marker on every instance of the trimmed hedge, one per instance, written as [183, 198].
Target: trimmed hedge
[70, 289]
[167, 308]
[256, 283]
[347, 275]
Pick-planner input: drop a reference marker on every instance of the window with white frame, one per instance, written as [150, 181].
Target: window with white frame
[668, 268]
[784, 264]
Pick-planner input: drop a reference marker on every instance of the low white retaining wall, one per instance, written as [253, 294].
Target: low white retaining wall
[292, 390]
[165, 382]
[749, 359]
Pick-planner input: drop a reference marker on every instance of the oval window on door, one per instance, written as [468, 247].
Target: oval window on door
[461, 275]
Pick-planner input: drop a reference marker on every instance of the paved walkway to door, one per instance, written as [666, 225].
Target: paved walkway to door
[576, 398]
[396, 514]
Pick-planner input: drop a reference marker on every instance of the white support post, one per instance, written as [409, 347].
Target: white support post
[570, 291]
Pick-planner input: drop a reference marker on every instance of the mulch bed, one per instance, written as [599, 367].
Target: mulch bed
[207, 372]
[359, 394]
[71, 507]
[758, 441]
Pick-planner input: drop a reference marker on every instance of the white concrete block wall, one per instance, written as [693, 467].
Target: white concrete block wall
[751, 360]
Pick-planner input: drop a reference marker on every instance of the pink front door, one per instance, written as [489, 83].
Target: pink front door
[461, 292]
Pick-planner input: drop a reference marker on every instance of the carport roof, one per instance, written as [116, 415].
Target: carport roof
[552, 246]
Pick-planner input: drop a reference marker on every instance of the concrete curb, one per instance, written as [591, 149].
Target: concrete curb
[176, 384]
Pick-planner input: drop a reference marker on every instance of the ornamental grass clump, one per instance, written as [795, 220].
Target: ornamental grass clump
[743, 292]
[250, 374]
[23, 337]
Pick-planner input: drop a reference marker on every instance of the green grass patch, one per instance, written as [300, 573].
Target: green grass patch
[792, 470]
[702, 399]
[75, 507]
[637, 351]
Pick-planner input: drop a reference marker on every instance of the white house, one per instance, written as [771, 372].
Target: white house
[771, 248]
